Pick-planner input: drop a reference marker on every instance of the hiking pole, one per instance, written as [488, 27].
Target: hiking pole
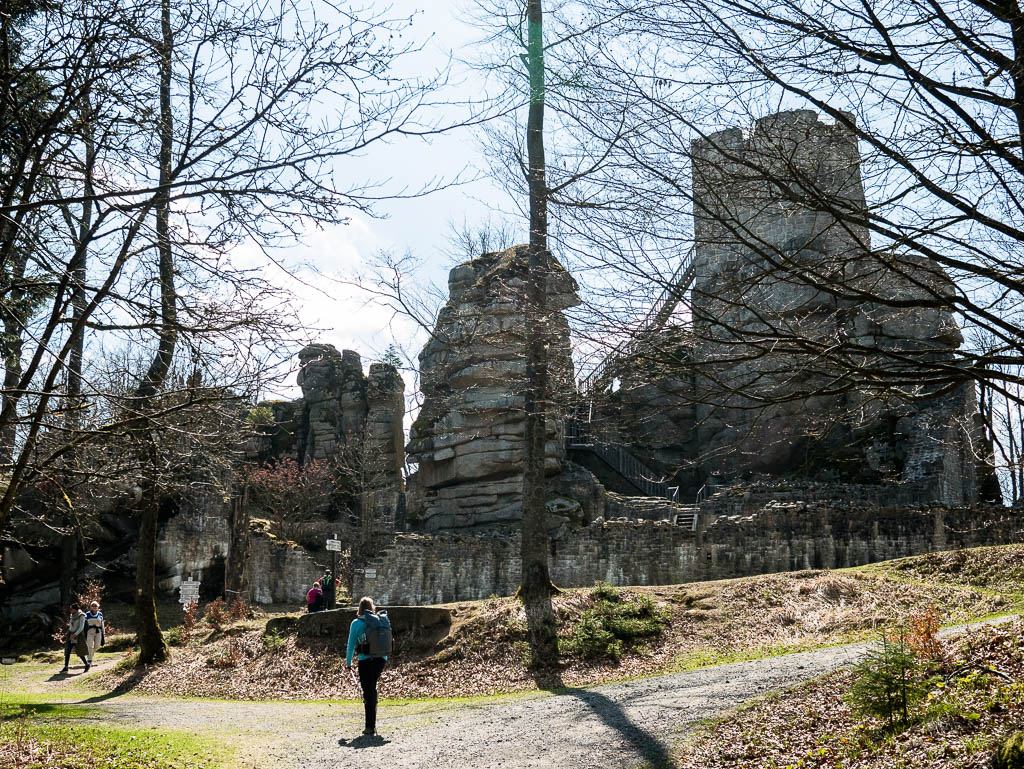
[352, 675]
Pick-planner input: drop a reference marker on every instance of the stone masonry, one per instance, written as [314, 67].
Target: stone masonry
[762, 203]
[780, 536]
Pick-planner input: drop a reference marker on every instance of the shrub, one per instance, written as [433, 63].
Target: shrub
[239, 610]
[273, 641]
[923, 634]
[173, 636]
[1010, 754]
[602, 591]
[888, 682]
[215, 614]
[605, 629]
[589, 638]
[188, 622]
[228, 656]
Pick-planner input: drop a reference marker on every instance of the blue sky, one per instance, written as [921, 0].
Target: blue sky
[339, 312]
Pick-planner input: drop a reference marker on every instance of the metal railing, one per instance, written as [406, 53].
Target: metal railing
[579, 436]
[654, 320]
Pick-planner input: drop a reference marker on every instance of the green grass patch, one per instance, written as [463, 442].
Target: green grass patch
[74, 746]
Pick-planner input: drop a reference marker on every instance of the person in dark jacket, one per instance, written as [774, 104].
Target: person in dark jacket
[76, 625]
[370, 668]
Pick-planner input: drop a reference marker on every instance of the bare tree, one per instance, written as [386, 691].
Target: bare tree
[170, 138]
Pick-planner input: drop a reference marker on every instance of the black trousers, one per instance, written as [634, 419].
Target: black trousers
[69, 646]
[369, 674]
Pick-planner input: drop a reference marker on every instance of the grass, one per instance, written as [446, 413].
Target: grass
[43, 735]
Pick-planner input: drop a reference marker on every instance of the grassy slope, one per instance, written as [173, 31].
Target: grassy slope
[708, 623]
[966, 712]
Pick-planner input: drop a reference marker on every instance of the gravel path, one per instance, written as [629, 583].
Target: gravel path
[609, 726]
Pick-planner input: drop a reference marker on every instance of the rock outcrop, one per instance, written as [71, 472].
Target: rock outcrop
[468, 438]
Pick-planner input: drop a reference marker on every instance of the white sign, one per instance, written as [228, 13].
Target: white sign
[370, 574]
[189, 591]
[334, 545]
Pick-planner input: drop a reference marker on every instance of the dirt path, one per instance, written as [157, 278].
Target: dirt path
[615, 725]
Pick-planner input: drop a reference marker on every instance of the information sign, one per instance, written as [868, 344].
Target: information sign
[334, 545]
[189, 591]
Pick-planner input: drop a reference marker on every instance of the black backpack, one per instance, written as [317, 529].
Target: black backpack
[378, 639]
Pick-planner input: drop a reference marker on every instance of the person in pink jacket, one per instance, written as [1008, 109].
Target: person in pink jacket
[314, 598]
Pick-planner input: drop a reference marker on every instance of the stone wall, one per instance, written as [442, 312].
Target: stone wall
[197, 546]
[419, 569]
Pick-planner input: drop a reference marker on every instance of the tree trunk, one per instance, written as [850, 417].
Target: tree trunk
[535, 587]
[151, 642]
[152, 647]
[238, 555]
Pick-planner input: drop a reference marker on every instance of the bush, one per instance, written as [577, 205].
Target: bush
[613, 623]
[228, 656]
[589, 638]
[188, 622]
[173, 636]
[1010, 754]
[602, 591]
[889, 681]
[923, 634]
[240, 610]
[273, 641]
[215, 614]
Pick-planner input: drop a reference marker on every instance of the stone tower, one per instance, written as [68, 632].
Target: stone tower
[776, 223]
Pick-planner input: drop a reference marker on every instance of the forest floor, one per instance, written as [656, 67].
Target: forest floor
[673, 664]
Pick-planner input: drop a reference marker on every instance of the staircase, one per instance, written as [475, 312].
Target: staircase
[654, 321]
[579, 438]
[687, 517]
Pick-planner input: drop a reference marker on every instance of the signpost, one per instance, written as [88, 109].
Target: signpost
[188, 591]
[333, 547]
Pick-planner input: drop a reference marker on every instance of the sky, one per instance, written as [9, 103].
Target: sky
[327, 263]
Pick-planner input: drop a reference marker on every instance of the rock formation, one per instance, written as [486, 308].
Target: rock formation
[468, 437]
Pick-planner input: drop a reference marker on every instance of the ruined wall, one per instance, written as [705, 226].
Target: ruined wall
[468, 437]
[765, 244]
[193, 545]
[420, 569]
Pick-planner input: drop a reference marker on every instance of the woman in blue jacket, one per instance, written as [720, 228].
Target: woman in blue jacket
[370, 668]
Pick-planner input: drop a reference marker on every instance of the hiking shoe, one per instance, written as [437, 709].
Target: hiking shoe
[369, 733]
[62, 670]
[87, 666]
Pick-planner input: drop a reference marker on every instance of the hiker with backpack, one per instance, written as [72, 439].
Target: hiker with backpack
[370, 636]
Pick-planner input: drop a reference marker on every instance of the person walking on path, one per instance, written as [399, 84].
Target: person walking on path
[95, 634]
[370, 667]
[76, 624]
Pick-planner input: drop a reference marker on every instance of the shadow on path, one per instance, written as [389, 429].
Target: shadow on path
[548, 677]
[363, 741]
[122, 688]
